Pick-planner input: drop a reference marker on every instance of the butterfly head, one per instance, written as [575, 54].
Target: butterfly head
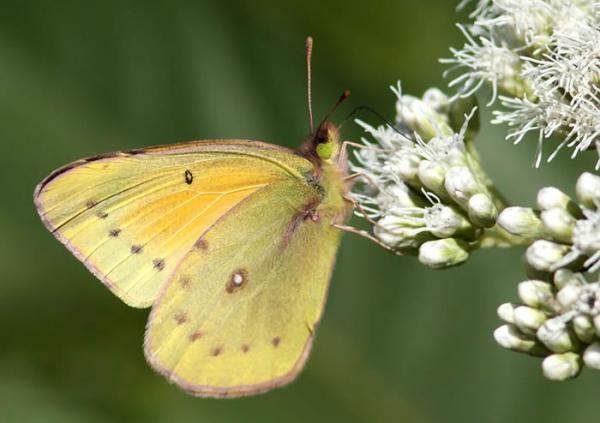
[326, 141]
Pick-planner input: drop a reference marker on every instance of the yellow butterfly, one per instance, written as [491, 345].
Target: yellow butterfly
[232, 243]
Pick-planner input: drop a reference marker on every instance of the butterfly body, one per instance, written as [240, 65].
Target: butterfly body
[231, 242]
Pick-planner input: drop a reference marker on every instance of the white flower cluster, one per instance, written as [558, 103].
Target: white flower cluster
[559, 321]
[544, 55]
[421, 185]
[566, 233]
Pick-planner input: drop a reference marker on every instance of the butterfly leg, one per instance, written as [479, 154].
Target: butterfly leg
[362, 211]
[366, 235]
[361, 232]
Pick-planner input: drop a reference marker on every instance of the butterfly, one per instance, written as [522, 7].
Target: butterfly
[231, 242]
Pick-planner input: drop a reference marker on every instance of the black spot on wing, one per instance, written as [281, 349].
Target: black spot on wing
[159, 264]
[201, 244]
[237, 281]
[189, 177]
[196, 335]
[180, 318]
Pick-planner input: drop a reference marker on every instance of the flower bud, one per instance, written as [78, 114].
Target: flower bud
[564, 277]
[537, 294]
[551, 198]
[396, 196]
[445, 222]
[557, 336]
[421, 118]
[432, 175]
[482, 210]
[586, 235]
[568, 295]
[584, 328]
[461, 184]
[406, 165]
[591, 356]
[559, 224]
[443, 253]
[436, 100]
[561, 366]
[528, 319]
[521, 221]
[596, 321]
[398, 233]
[587, 189]
[506, 312]
[542, 255]
[508, 336]
[460, 109]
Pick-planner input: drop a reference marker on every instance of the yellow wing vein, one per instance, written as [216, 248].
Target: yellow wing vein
[82, 193]
[187, 224]
[141, 276]
[59, 226]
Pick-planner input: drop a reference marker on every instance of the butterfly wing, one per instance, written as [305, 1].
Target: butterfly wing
[131, 217]
[238, 317]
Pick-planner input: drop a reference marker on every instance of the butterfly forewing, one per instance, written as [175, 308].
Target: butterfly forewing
[131, 217]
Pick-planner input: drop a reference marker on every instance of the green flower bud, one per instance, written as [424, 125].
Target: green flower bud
[596, 321]
[549, 198]
[559, 224]
[460, 108]
[432, 175]
[587, 189]
[421, 118]
[406, 165]
[436, 100]
[445, 222]
[461, 184]
[564, 277]
[521, 221]
[508, 336]
[557, 336]
[561, 366]
[584, 328]
[528, 319]
[398, 232]
[591, 356]
[537, 294]
[443, 253]
[482, 210]
[568, 295]
[543, 255]
[506, 312]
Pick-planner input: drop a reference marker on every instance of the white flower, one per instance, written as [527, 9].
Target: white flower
[544, 55]
[420, 186]
[559, 321]
[485, 61]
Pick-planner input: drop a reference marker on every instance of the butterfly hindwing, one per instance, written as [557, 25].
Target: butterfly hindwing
[238, 315]
[131, 217]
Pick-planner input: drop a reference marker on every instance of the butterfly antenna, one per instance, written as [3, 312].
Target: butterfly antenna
[376, 113]
[342, 98]
[309, 45]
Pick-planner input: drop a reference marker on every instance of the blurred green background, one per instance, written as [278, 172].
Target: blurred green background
[398, 342]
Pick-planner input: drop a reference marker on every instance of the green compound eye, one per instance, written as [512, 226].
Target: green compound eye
[325, 150]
